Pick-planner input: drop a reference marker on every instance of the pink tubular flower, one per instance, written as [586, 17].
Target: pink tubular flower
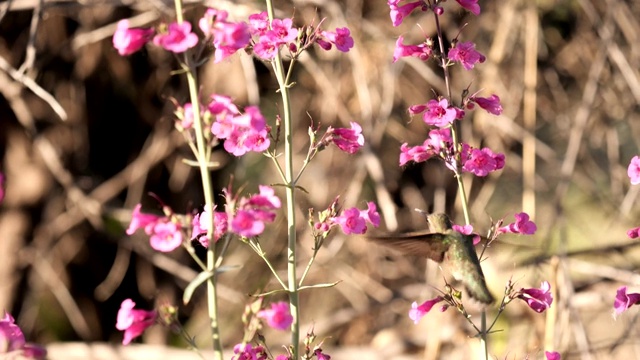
[259, 23]
[141, 220]
[228, 37]
[278, 317]
[439, 113]
[490, 104]
[248, 352]
[633, 233]
[471, 5]
[421, 51]
[438, 140]
[417, 153]
[178, 39]
[538, 299]
[417, 312]
[320, 355]
[253, 212]
[347, 140]
[633, 171]
[468, 230]
[166, 235]
[466, 54]
[482, 162]
[552, 355]
[127, 41]
[242, 132]
[354, 221]
[201, 224]
[398, 13]
[133, 321]
[341, 38]
[11, 336]
[624, 301]
[522, 225]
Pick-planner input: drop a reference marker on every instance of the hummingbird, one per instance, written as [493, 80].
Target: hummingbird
[445, 245]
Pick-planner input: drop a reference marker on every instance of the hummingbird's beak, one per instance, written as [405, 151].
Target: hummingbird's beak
[423, 212]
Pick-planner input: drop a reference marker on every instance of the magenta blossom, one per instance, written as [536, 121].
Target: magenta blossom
[466, 54]
[354, 221]
[13, 344]
[438, 140]
[471, 5]
[165, 235]
[177, 39]
[269, 42]
[259, 23]
[201, 224]
[398, 13]
[133, 321]
[633, 233]
[624, 301]
[633, 171]
[417, 312]
[347, 140]
[421, 51]
[253, 212]
[127, 41]
[439, 113]
[538, 299]
[468, 230]
[320, 355]
[242, 132]
[481, 162]
[490, 104]
[522, 225]
[278, 317]
[248, 352]
[552, 355]
[228, 37]
[341, 38]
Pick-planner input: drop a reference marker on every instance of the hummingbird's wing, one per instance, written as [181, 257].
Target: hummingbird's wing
[425, 244]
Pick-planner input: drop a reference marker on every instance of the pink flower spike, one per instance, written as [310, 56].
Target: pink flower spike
[417, 312]
[439, 113]
[278, 317]
[471, 5]
[538, 299]
[623, 301]
[178, 39]
[133, 321]
[341, 38]
[490, 104]
[466, 54]
[633, 233]
[633, 171]
[552, 355]
[127, 41]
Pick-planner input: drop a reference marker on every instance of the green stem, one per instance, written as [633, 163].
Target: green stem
[207, 188]
[290, 194]
[457, 143]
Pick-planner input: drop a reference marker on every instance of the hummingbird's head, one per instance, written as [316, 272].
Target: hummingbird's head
[439, 222]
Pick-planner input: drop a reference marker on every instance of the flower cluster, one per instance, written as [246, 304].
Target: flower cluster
[248, 352]
[13, 344]
[164, 231]
[228, 37]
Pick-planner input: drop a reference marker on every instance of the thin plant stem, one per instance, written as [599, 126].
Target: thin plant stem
[207, 188]
[290, 194]
[457, 143]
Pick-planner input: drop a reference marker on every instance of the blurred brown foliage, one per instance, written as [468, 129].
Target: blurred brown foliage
[87, 134]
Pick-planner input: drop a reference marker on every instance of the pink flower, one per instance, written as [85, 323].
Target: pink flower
[624, 301]
[242, 132]
[482, 162]
[282, 357]
[398, 13]
[259, 23]
[127, 41]
[417, 153]
[552, 355]
[141, 220]
[538, 299]
[1, 187]
[208, 20]
[354, 221]
[347, 140]
[11, 336]
[467, 230]
[465, 53]
[341, 38]
[178, 39]
[282, 31]
[633, 171]
[633, 233]
[320, 355]
[417, 312]
[133, 321]
[471, 5]
[421, 51]
[439, 113]
[248, 352]
[522, 225]
[278, 317]
[253, 212]
[228, 37]
[201, 224]
[491, 104]
[166, 236]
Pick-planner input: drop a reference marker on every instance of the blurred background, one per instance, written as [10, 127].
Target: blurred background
[86, 134]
